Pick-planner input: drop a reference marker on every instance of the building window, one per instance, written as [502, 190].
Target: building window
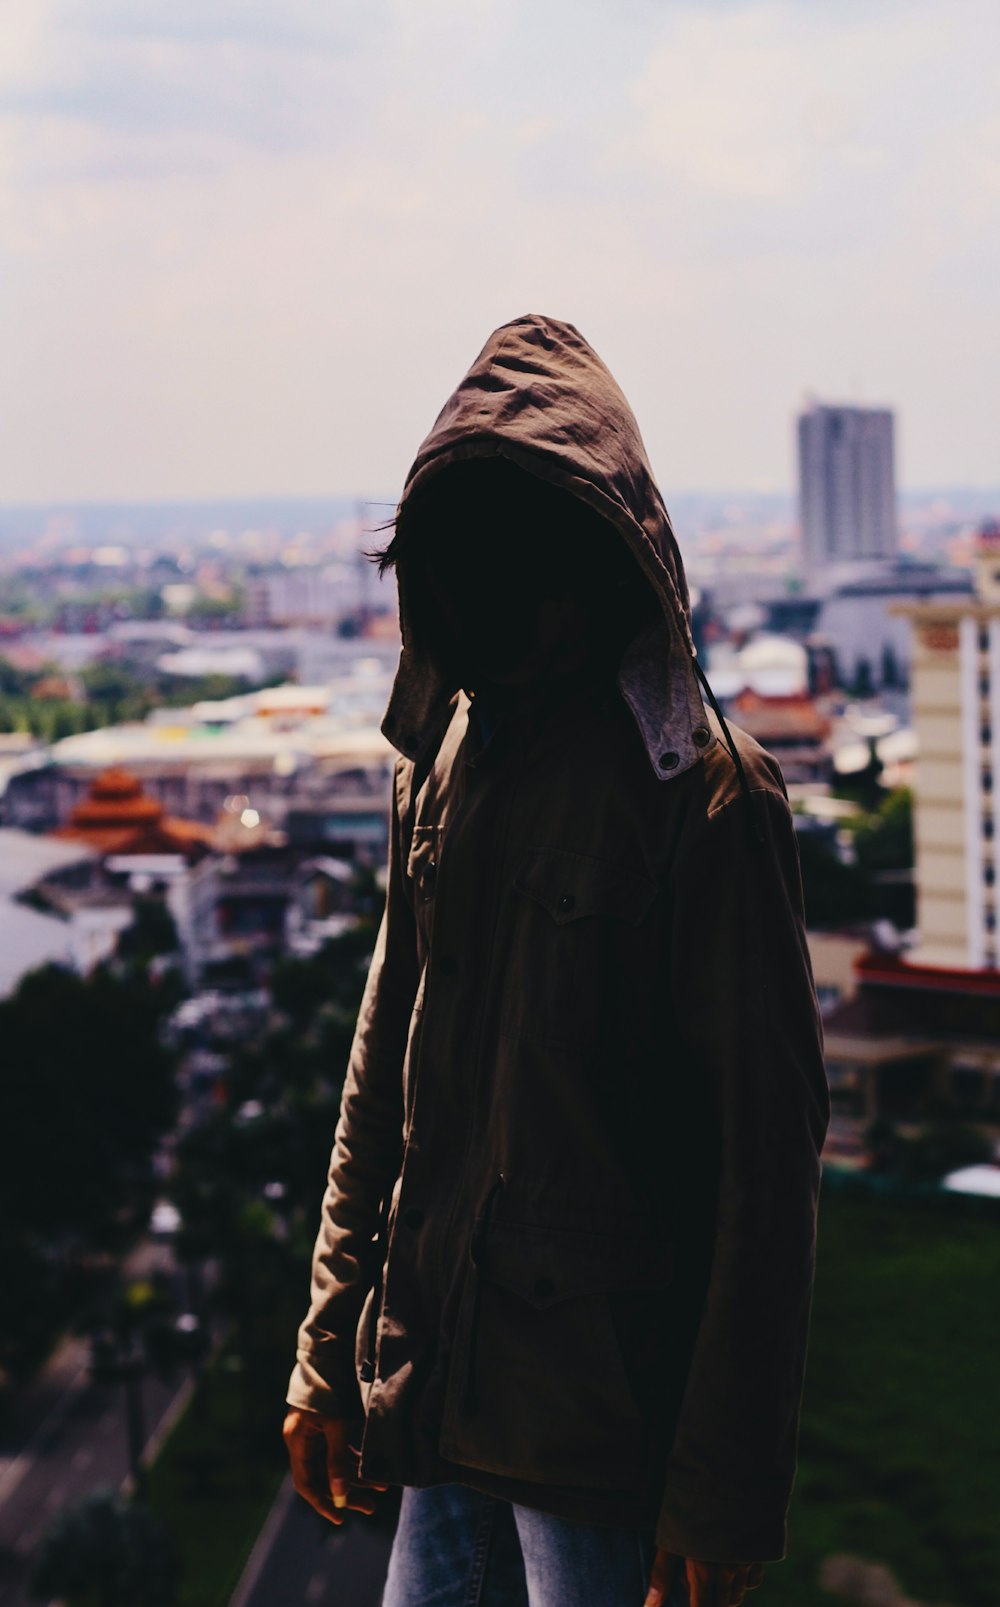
[987, 780]
[984, 685]
[988, 828]
[990, 921]
[989, 874]
[984, 638]
[986, 734]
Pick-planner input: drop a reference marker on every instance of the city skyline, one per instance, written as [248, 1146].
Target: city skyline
[250, 252]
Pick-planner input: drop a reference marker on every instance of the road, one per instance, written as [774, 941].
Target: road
[69, 1438]
[299, 1558]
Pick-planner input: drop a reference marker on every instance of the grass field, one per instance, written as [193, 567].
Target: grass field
[900, 1423]
[901, 1414]
[214, 1489]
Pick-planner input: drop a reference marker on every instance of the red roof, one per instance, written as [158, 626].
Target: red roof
[118, 817]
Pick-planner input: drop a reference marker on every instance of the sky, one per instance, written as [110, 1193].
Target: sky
[249, 247]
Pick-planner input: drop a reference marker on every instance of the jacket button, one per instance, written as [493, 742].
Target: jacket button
[669, 760]
[544, 1287]
[413, 1217]
[447, 965]
[702, 735]
[566, 903]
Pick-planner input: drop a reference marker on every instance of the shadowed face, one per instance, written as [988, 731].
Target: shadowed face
[512, 578]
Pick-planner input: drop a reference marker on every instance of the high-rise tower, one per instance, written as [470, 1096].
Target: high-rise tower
[847, 487]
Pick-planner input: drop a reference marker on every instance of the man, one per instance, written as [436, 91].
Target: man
[563, 1277]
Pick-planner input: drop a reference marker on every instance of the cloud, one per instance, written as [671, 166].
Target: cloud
[251, 246]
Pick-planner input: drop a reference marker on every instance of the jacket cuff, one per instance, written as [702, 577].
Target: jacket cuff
[706, 1528]
[310, 1390]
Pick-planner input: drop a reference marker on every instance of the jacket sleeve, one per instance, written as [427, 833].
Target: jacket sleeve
[744, 1006]
[365, 1158]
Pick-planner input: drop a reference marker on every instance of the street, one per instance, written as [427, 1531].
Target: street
[300, 1558]
[74, 1442]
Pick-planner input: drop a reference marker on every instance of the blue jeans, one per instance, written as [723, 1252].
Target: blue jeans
[456, 1547]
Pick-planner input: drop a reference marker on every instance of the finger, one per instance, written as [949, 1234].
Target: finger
[317, 1498]
[707, 1585]
[307, 1458]
[360, 1503]
[322, 1504]
[341, 1472]
[755, 1577]
[660, 1577]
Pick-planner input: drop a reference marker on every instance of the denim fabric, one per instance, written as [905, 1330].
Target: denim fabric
[456, 1547]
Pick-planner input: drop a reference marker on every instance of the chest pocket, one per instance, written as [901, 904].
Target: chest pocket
[578, 937]
[421, 870]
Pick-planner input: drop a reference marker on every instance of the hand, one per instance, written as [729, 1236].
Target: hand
[709, 1584]
[325, 1465]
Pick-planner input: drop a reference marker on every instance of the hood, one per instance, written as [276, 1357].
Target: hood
[539, 395]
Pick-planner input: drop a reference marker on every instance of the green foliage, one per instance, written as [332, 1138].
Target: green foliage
[884, 840]
[216, 1479]
[940, 1148]
[862, 686]
[87, 1091]
[106, 1550]
[250, 1177]
[14, 682]
[872, 887]
[900, 1418]
[151, 931]
[834, 893]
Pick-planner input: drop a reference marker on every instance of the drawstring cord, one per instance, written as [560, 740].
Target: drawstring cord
[477, 1255]
[753, 823]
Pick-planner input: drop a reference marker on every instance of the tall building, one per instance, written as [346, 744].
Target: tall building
[955, 689]
[847, 487]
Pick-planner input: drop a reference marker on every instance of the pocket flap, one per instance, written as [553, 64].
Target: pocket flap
[421, 863]
[572, 885]
[545, 1265]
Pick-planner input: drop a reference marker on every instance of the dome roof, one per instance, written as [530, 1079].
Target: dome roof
[775, 666]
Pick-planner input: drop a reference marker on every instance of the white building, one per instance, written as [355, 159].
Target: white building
[955, 670]
[30, 936]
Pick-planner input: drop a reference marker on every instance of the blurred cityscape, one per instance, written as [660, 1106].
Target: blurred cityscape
[194, 797]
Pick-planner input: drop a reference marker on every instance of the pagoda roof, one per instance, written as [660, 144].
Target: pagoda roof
[118, 817]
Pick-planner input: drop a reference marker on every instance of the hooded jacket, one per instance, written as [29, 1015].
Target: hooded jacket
[567, 1247]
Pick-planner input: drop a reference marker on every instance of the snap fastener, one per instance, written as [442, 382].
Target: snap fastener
[702, 735]
[566, 903]
[448, 965]
[544, 1287]
[669, 760]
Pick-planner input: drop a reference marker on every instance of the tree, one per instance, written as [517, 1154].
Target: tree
[891, 676]
[863, 684]
[87, 1091]
[884, 841]
[107, 1548]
